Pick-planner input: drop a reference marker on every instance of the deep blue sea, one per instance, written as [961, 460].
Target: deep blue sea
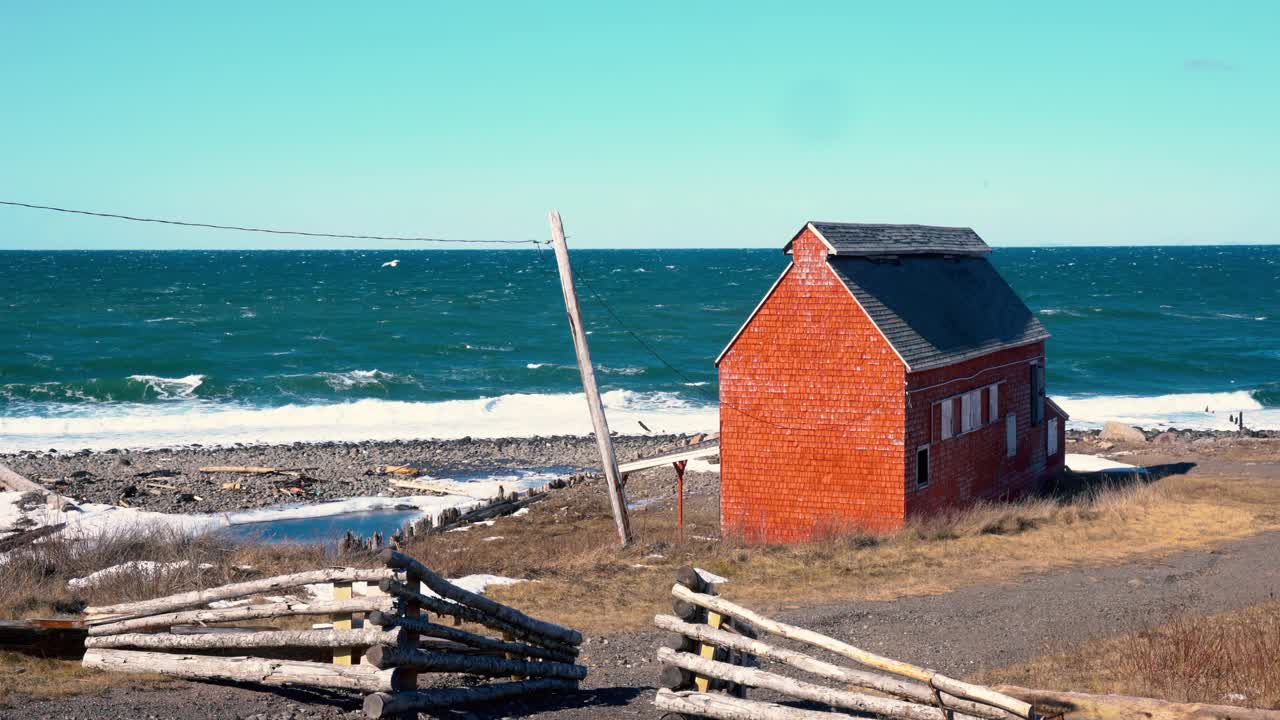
[114, 349]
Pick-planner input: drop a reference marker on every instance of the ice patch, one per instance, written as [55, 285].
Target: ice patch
[1094, 463]
[133, 567]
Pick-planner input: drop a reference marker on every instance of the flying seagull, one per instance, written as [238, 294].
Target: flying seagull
[391, 263]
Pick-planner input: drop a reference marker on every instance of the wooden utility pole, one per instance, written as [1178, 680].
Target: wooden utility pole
[605, 443]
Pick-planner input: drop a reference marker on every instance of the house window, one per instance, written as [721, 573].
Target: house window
[993, 403]
[1052, 444]
[1011, 435]
[948, 426]
[1037, 394]
[922, 467]
[966, 412]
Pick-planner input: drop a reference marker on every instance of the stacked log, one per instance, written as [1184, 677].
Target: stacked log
[382, 637]
[709, 662]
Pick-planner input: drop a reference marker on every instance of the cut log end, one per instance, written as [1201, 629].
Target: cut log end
[674, 678]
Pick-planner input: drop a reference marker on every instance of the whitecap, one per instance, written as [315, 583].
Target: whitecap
[170, 388]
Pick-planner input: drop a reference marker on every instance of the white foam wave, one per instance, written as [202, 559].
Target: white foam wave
[1183, 410]
[355, 378]
[138, 425]
[535, 366]
[170, 388]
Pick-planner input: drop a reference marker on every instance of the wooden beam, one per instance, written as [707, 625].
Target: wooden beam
[336, 638]
[934, 679]
[244, 669]
[243, 612]
[723, 707]
[381, 705]
[412, 659]
[608, 460]
[448, 590]
[425, 627]
[341, 622]
[860, 702]
[897, 687]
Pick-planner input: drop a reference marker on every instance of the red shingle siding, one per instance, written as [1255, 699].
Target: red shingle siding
[812, 413]
[975, 465]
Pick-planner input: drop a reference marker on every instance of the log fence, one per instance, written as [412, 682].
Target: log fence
[712, 658]
[382, 637]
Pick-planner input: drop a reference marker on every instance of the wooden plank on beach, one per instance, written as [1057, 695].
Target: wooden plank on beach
[440, 487]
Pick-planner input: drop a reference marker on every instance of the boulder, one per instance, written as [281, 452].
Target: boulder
[1167, 437]
[1120, 432]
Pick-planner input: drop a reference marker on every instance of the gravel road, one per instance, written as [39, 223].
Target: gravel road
[960, 633]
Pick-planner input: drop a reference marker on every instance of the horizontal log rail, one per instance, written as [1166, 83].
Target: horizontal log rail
[381, 705]
[458, 635]
[448, 590]
[199, 598]
[243, 612]
[1083, 706]
[466, 613]
[363, 637]
[751, 677]
[409, 659]
[245, 669]
[889, 685]
[938, 681]
[723, 707]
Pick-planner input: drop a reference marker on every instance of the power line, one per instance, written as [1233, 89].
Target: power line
[269, 231]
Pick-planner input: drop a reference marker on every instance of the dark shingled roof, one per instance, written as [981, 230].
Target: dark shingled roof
[937, 311]
[851, 239]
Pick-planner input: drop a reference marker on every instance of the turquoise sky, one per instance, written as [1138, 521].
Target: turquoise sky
[654, 124]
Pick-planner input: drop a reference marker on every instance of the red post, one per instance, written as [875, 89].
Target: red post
[680, 497]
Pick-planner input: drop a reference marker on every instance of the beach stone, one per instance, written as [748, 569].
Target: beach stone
[1167, 438]
[1120, 432]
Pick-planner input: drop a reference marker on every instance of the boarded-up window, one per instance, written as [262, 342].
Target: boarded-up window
[966, 412]
[948, 427]
[1011, 434]
[1037, 394]
[1052, 444]
[993, 403]
[975, 409]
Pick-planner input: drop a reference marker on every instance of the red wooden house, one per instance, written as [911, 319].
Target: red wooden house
[889, 371]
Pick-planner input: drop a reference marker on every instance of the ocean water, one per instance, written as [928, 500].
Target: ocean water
[133, 349]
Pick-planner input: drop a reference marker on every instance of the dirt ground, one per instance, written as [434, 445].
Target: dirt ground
[972, 628]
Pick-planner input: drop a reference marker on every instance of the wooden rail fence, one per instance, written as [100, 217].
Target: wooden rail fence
[382, 637]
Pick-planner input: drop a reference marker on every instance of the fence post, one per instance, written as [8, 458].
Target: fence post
[342, 590]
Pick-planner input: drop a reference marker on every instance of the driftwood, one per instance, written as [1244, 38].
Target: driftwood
[197, 598]
[243, 612]
[470, 614]
[15, 482]
[448, 590]
[1081, 706]
[252, 470]
[934, 679]
[458, 635]
[27, 537]
[380, 705]
[889, 685]
[244, 669]
[389, 657]
[861, 702]
[264, 639]
[723, 707]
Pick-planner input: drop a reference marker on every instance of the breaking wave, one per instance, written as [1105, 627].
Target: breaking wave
[138, 425]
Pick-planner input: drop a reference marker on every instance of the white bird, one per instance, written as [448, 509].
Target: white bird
[391, 263]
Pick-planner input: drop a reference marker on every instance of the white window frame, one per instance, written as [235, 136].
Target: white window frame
[1051, 443]
[993, 401]
[948, 422]
[966, 413]
[1011, 434]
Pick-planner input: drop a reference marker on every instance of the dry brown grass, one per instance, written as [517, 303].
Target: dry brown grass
[48, 677]
[1229, 658]
[33, 579]
[582, 578]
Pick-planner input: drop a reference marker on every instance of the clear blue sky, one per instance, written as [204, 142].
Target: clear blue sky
[670, 124]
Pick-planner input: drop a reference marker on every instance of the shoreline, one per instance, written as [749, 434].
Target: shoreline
[169, 480]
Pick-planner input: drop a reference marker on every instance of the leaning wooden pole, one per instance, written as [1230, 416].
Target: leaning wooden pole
[608, 460]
